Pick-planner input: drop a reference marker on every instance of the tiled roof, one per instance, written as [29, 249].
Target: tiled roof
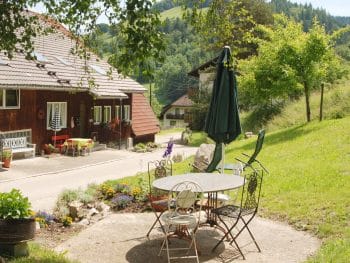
[183, 101]
[143, 118]
[56, 75]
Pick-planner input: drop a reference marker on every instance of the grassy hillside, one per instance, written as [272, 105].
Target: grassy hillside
[336, 105]
[309, 181]
[172, 13]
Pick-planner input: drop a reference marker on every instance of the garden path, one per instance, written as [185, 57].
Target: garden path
[108, 242]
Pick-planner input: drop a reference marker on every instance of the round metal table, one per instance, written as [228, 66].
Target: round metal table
[209, 182]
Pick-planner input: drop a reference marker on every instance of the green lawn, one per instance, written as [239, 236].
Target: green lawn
[309, 181]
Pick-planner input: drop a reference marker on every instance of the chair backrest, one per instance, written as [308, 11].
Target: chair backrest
[251, 191]
[258, 147]
[158, 169]
[183, 198]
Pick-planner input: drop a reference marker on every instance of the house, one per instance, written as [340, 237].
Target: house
[92, 99]
[177, 113]
[205, 74]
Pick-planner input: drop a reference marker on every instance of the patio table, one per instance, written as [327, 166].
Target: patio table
[80, 143]
[210, 183]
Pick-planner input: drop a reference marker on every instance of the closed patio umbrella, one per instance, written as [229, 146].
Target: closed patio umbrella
[222, 123]
[55, 124]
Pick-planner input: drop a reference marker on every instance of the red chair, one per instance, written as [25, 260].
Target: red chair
[59, 140]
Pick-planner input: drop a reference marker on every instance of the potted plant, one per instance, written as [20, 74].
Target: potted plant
[6, 157]
[16, 224]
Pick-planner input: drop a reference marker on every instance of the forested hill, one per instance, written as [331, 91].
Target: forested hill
[300, 12]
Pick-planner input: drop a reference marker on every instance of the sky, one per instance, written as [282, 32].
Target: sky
[334, 7]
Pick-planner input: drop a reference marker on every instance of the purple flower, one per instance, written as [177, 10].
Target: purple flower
[122, 201]
[168, 149]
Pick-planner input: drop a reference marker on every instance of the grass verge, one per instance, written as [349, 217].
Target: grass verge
[42, 255]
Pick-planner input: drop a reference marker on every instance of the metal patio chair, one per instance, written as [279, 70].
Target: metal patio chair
[245, 212]
[158, 201]
[182, 219]
[238, 168]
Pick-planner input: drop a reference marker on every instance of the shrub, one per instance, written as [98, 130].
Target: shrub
[121, 201]
[107, 191]
[13, 205]
[67, 221]
[44, 218]
[122, 188]
[140, 147]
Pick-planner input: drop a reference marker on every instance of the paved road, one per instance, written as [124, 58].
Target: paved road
[42, 179]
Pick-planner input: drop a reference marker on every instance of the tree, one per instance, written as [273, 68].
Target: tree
[231, 23]
[137, 22]
[290, 61]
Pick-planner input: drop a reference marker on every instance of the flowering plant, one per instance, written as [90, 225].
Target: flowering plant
[168, 149]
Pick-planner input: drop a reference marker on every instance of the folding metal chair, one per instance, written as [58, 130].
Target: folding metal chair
[182, 219]
[158, 202]
[238, 168]
[245, 212]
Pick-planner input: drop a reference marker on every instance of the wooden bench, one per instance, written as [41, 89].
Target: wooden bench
[19, 145]
[58, 141]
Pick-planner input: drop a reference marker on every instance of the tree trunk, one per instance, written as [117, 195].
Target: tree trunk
[307, 101]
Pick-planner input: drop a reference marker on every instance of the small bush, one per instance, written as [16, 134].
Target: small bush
[121, 201]
[67, 221]
[14, 205]
[44, 218]
[122, 188]
[107, 191]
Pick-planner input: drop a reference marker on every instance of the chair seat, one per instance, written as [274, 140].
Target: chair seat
[160, 205]
[232, 211]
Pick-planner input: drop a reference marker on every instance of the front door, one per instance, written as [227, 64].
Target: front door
[82, 119]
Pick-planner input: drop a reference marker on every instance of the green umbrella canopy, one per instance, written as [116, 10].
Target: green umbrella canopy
[222, 123]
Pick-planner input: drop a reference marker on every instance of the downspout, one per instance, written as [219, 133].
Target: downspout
[120, 123]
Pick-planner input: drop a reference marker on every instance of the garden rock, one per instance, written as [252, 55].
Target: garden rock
[74, 208]
[102, 207]
[203, 156]
[84, 222]
[92, 211]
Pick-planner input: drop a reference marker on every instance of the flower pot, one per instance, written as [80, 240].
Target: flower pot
[14, 234]
[13, 231]
[6, 162]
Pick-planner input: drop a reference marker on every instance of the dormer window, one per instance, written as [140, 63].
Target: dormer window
[63, 61]
[98, 69]
[39, 57]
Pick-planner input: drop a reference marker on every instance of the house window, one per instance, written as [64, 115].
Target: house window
[172, 123]
[97, 114]
[107, 114]
[117, 112]
[126, 112]
[61, 109]
[9, 98]
[177, 111]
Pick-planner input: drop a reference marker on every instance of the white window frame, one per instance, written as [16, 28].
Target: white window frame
[62, 107]
[107, 114]
[3, 102]
[117, 112]
[97, 114]
[126, 112]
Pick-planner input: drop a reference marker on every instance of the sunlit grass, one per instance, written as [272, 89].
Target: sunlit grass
[39, 254]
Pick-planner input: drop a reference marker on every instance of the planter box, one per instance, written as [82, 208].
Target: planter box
[14, 233]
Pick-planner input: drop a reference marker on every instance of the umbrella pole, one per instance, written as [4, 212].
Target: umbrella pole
[54, 141]
[222, 158]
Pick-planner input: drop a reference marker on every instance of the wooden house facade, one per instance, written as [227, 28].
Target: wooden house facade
[91, 98]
